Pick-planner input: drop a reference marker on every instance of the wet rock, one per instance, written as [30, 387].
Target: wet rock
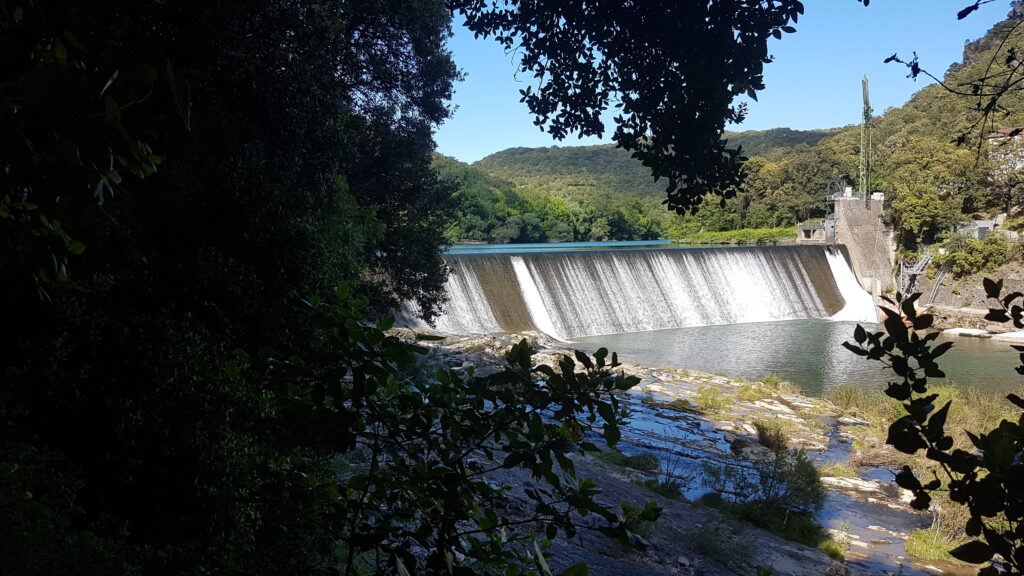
[971, 332]
[853, 421]
[856, 485]
[751, 450]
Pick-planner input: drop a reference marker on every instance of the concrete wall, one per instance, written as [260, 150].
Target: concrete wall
[869, 242]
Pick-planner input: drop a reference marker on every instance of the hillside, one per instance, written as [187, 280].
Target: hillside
[602, 170]
[761, 142]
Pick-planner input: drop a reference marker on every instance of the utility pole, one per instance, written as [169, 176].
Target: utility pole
[865, 147]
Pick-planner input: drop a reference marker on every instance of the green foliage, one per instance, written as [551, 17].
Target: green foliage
[758, 236]
[432, 443]
[710, 399]
[839, 470]
[525, 208]
[849, 398]
[833, 549]
[780, 496]
[984, 478]
[762, 142]
[644, 461]
[969, 256]
[771, 434]
[927, 544]
[789, 481]
[667, 487]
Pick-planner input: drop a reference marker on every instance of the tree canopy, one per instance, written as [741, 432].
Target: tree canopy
[670, 69]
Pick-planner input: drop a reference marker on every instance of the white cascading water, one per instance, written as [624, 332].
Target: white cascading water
[534, 302]
[572, 294]
[587, 294]
[467, 310]
[860, 306]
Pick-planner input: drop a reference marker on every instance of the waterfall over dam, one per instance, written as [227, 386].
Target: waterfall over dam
[586, 293]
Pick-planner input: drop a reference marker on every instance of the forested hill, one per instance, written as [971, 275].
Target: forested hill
[599, 170]
[761, 142]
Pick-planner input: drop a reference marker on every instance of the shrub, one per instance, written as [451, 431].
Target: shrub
[644, 461]
[753, 392]
[682, 405]
[711, 399]
[848, 397]
[771, 435]
[788, 482]
[664, 486]
[971, 256]
[838, 470]
[988, 486]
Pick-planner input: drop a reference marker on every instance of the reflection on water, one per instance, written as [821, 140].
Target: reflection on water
[806, 352]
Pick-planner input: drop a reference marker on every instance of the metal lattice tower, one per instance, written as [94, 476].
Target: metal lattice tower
[865, 146]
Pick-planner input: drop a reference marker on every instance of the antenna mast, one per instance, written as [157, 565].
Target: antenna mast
[865, 146]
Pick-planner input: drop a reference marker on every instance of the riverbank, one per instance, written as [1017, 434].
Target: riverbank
[689, 420]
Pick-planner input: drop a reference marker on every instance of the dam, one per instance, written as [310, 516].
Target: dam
[572, 294]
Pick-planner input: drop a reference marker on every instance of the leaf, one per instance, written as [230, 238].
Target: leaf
[859, 334]
[583, 359]
[973, 526]
[992, 287]
[941, 349]
[76, 248]
[1016, 400]
[966, 11]
[937, 423]
[905, 437]
[923, 322]
[60, 51]
[611, 435]
[973, 552]
[997, 315]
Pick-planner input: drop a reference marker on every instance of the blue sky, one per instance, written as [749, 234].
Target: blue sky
[813, 83]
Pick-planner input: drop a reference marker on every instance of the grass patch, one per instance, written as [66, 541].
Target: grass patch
[681, 405]
[838, 470]
[768, 387]
[667, 488]
[797, 527]
[711, 399]
[771, 435]
[929, 544]
[832, 549]
[644, 461]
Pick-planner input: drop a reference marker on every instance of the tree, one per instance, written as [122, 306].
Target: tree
[671, 69]
[985, 477]
[175, 178]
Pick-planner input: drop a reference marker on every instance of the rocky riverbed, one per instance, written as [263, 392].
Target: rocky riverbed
[691, 419]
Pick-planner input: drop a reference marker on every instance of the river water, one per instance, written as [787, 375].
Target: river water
[808, 353]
